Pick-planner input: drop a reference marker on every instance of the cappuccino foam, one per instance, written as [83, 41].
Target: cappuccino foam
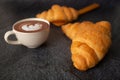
[30, 26]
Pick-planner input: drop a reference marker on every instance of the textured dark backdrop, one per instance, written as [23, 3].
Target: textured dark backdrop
[51, 61]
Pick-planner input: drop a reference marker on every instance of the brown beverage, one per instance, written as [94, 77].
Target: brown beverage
[27, 24]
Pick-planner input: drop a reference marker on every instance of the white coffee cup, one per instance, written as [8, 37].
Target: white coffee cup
[30, 40]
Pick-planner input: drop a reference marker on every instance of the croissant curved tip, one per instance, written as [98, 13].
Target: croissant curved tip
[105, 24]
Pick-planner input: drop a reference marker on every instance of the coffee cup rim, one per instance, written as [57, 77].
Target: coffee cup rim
[29, 19]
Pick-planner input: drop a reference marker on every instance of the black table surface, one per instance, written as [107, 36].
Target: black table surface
[52, 60]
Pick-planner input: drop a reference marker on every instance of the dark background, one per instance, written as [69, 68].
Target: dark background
[52, 60]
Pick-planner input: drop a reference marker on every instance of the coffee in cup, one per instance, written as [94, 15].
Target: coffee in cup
[30, 26]
[31, 32]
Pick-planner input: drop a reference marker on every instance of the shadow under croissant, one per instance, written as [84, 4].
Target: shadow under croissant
[71, 70]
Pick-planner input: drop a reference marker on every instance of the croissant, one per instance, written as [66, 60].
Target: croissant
[60, 15]
[90, 42]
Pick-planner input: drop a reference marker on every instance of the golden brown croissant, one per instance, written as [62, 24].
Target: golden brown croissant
[60, 15]
[90, 42]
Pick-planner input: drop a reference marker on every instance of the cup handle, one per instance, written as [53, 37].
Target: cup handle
[14, 42]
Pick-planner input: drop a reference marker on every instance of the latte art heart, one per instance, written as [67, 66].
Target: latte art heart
[32, 27]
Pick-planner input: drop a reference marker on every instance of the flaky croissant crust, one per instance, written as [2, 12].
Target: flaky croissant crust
[90, 42]
[59, 15]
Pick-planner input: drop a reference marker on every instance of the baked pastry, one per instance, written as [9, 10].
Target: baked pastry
[90, 42]
[60, 15]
